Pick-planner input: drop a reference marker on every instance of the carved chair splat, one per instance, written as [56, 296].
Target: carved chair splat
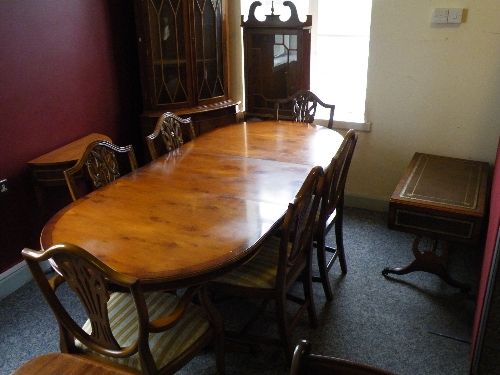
[304, 104]
[171, 129]
[102, 166]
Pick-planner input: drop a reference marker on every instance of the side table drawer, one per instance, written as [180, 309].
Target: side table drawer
[51, 175]
[425, 222]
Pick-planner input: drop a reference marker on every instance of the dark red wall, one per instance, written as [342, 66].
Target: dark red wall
[67, 69]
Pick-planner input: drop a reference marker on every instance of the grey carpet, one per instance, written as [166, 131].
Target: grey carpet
[410, 325]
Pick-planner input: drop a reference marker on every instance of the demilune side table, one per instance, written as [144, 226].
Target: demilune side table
[444, 199]
[47, 170]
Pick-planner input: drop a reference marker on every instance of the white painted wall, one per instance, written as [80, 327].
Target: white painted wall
[430, 89]
[235, 50]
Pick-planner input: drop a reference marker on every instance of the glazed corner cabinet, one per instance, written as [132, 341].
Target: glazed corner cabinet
[277, 60]
[184, 62]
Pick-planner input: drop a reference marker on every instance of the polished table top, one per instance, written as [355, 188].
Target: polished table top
[192, 215]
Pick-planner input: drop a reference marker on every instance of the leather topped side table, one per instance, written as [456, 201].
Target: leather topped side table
[47, 170]
[442, 198]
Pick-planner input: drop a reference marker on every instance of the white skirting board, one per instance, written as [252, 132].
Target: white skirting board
[16, 277]
[346, 125]
[367, 202]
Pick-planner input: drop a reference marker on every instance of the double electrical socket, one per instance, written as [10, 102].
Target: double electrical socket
[447, 15]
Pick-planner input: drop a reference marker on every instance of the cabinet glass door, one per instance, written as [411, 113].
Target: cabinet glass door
[208, 49]
[168, 50]
[274, 70]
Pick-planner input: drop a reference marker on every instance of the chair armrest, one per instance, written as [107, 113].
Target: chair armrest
[166, 322]
[56, 281]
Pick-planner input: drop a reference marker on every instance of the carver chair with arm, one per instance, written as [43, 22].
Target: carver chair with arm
[172, 130]
[149, 333]
[270, 274]
[331, 213]
[303, 105]
[102, 160]
[305, 363]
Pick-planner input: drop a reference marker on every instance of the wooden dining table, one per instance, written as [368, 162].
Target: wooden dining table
[198, 212]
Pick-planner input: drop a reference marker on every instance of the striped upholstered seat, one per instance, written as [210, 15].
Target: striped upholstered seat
[165, 346]
[260, 271]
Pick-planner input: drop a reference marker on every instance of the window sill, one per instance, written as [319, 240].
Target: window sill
[346, 125]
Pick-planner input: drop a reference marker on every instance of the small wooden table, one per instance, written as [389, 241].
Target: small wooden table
[47, 170]
[442, 198]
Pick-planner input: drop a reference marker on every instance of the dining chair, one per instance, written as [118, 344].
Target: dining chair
[303, 106]
[271, 273]
[103, 166]
[143, 332]
[65, 364]
[331, 213]
[173, 130]
[305, 363]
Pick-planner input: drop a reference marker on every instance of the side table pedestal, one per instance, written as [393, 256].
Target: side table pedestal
[442, 198]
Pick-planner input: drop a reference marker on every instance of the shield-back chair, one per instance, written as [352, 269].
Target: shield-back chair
[141, 332]
[303, 105]
[172, 130]
[331, 213]
[103, 165]
[271, 273]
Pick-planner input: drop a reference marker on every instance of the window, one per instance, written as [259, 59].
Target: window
[339, 55]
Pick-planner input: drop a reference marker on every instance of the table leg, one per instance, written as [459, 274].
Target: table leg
[429, 261]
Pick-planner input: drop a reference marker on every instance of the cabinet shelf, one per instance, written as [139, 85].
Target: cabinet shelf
[172, 62]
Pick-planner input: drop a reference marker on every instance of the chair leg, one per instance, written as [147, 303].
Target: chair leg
[218, 325]
[282, 321]
[220, 353]
[309, 296]
[323, 267]
[339, 238]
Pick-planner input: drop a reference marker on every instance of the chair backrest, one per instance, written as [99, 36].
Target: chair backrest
[336, 176]
[94, 282]
[173, 130]
[90, 280]
[103, 167]
[304, 104]
[305, 363]
[297, 230]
